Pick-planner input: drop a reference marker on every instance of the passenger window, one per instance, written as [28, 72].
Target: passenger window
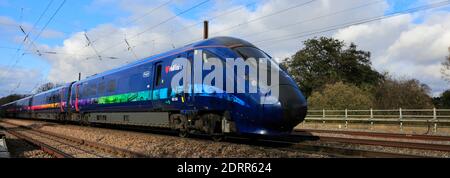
[111, 86]
[134, 82]
[85, 90]
[92, 89]
[101, 88]
[158, 75]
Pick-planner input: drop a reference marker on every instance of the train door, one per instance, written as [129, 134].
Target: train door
[61, 99]
[149, 79]
[30, 106]
[77, 92]
[191, 95]
[181, 97]
[159, 89]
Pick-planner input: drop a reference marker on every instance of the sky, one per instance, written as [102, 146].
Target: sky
[411, 45]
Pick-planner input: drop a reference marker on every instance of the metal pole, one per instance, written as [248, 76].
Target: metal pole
[434, 114]
[346, 114]
[371, 113]
[79, 76]
[346, 117]
[371, 118]
[323, 116]
[401, 117]
[205, 29]
[435, 120]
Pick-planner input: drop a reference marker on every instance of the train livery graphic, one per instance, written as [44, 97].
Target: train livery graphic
[140, 94]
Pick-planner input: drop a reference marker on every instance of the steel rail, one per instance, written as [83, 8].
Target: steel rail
[42, 146]
[380, 134]
[335, 151]
[98, 146]
[385, 143]
[296, 145]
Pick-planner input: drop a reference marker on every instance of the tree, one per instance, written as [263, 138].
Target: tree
[340, 96]
[326, 60]
[446, 68]
[47, 87]
[443, 102]
[9, 99]
[407, 94]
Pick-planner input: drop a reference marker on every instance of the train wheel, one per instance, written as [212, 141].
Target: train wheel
[218, 138]
[214, 122]
[183, 134]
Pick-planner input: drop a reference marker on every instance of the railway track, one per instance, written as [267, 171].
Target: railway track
[380, 142]
[298, 142]
[381, 135]
[340, 152]
[4, 153]
[61, 146]
[315, 144]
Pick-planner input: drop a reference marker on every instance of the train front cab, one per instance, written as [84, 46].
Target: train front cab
[277, 118]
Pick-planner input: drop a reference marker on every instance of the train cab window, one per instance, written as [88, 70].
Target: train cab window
[250, 52]
[257, 54]
[158, 79]
[207, 56]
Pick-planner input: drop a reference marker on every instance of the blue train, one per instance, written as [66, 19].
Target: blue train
[140, 94]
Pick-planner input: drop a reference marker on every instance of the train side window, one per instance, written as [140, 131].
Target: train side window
[101, 88]
[158, 75]
[134, 82]
[111, 86]
[92, 89]
[85, 91]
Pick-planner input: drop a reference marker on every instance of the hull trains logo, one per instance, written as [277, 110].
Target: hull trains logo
[174, 68]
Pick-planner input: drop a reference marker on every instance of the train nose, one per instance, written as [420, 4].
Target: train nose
[293, 104]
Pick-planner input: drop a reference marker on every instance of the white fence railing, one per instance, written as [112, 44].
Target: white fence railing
[400, 116]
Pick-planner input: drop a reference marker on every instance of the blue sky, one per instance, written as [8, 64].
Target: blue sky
[81, 14]
[78, 15]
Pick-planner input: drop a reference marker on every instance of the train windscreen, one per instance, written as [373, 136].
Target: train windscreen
[250, 52]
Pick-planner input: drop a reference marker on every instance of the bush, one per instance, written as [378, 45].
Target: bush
[407, 94]
[341, 96]
[443, 102]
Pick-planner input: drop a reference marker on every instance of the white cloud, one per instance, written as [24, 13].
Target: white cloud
[18, 80]
[405, 48]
